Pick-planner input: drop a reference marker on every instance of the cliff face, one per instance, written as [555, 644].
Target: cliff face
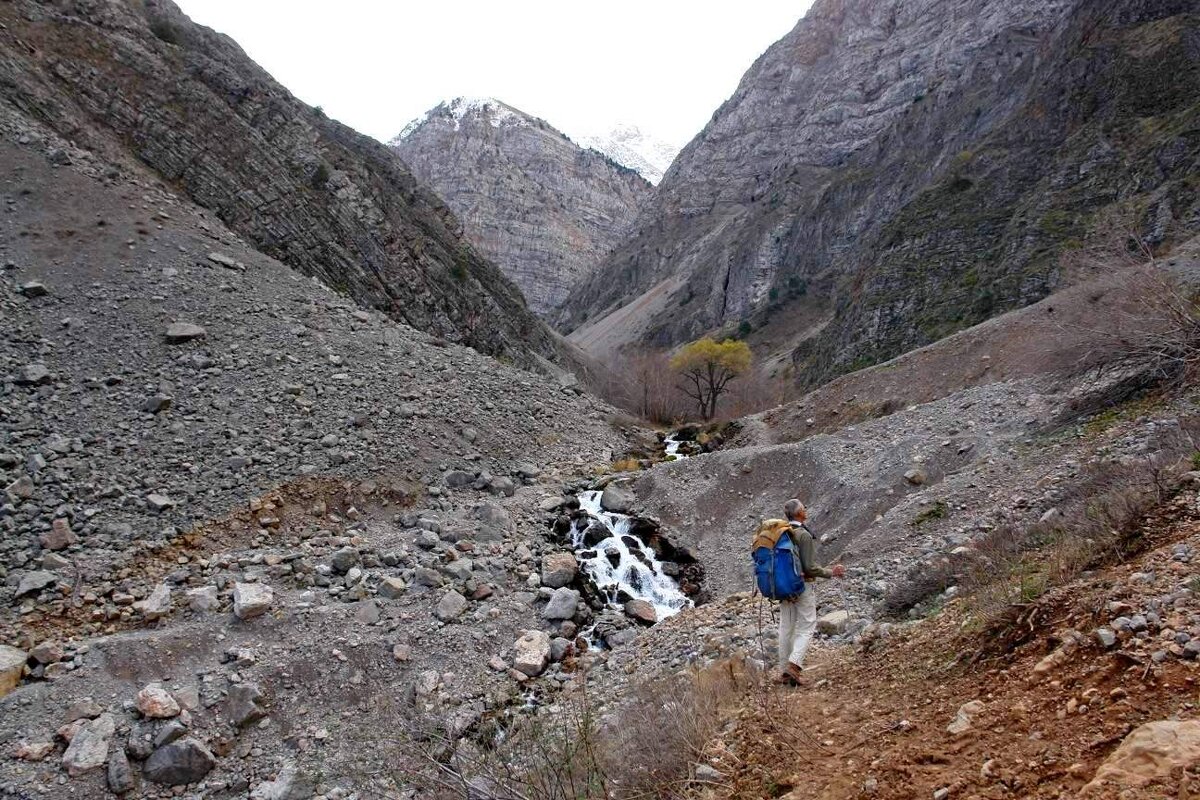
[542, 208]
[141, 80]
[891, 172]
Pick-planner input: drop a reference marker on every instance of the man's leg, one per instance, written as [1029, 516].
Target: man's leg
[805, 624]
[787, 630]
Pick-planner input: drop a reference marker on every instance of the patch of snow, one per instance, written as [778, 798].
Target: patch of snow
[632, 147]
[490, 109]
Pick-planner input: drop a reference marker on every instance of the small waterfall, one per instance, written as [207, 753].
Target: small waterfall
[620, 564]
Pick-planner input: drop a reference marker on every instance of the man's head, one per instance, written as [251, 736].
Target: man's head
[794, 510]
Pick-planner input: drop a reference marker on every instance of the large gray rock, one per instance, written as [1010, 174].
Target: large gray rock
[559, 569]
[251, 600]
[88, 749]
[35, 581]
[617, 499]
[179, 763]
[451, 606]
[562, 604]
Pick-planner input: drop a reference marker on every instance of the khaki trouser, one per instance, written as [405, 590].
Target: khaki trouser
[797, 622]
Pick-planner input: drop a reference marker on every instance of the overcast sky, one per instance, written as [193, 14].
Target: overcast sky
[664, 65]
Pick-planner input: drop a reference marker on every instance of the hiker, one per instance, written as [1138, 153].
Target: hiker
[785, 567]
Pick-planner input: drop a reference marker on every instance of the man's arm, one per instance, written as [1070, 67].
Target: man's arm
[808, 559]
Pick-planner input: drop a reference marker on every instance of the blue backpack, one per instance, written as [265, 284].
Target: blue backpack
[777, 569]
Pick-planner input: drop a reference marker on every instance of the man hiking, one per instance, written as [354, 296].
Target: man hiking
[785, 566]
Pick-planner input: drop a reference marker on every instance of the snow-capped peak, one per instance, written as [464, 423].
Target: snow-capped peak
[494, 111]
[631, 147]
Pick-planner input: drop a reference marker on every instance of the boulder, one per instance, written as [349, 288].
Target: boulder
[120, 774]
[251, 599]
[562, 604]
[158, 604]
[344, 559]
[203, 599]
[88, 749]
[642, 611]
[559, 569]
[531, 653]
[834, 622]
[35, 581]
[391, 588]
[916, 477]
[965, 717]
[12, 668]
[243, 705]
[181, 762]
[156, 702]
[616, 499]
[1153, 751]
[451, 606]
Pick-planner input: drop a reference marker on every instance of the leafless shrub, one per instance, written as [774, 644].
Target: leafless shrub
[1151, 333]
[657, 738]
[647, 749]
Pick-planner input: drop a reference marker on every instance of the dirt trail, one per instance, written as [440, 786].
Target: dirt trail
[874, 723]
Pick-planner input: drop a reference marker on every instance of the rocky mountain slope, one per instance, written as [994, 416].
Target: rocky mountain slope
[203, 453]
[541, 207]
[630, 146]
[142, 83]
[889, 173]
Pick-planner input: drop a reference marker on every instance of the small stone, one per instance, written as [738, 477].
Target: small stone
[59, 537]
[33, 289]
[401, 653]
[120, 774]
[916, 477]
[1106, 637]
[155, 702]
[203, 599]
[251, 600]
[48, 652]
[36, 751]
[21, 488]
[159, 502]
[180, 332]
[32, 375]
[157, 403]
[391, 588]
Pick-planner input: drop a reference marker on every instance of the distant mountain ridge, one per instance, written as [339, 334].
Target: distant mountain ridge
[540, 206]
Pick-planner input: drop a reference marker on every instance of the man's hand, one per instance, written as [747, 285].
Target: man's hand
[838, 570]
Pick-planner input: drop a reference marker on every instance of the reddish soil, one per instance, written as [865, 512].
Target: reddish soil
[873, 724]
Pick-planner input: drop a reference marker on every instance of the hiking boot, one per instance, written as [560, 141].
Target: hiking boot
[793, 675]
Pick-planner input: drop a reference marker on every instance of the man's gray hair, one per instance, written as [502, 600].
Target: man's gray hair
[792, 507]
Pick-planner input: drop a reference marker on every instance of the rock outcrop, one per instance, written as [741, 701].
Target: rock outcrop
[889, 173]
[142, 83]
[545, 210]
